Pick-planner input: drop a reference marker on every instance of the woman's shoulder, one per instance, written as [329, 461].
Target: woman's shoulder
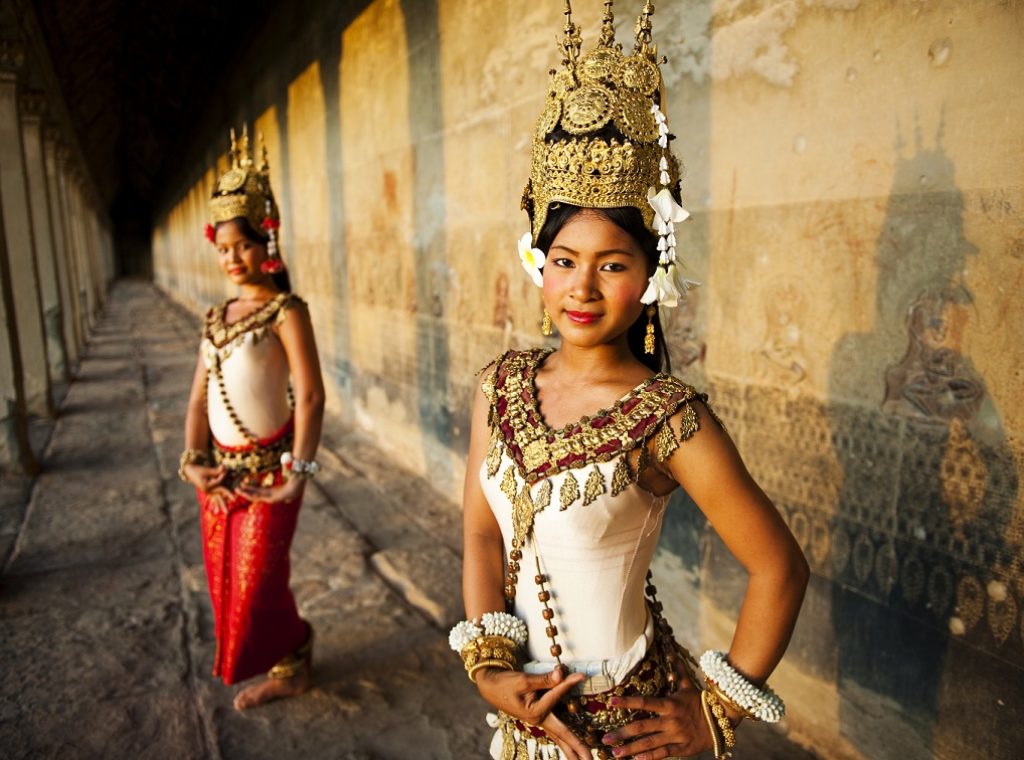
[684, 408]
[289, 302]
[512, 361]
[514, 356]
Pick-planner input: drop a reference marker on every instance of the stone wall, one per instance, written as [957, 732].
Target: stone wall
[854, 172]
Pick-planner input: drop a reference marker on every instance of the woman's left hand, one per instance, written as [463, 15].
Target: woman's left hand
[677, 729]
[289, 490]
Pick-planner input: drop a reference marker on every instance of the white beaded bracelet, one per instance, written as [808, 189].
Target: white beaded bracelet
[298, 468]
[491, 624]
[761, 702]
[463, 633]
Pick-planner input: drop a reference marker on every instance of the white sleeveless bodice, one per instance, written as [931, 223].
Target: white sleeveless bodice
[254, 368]
[571, 497]
[595, 558]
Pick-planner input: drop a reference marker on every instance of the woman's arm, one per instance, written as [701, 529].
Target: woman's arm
[710, 469]
[708, 466]
[483, 573]
[197, 436]
[197, 425]
[296, 334]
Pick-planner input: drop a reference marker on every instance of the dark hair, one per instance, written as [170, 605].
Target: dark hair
[281, 279]
[631, 221]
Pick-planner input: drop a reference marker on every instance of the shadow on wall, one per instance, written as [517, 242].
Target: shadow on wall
[925, 622]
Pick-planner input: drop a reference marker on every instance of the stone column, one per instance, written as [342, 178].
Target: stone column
[78, 251]
[75, 274]
[51, 138]
[15, 450]
[85, 253]
[21, 258]
[32, 107]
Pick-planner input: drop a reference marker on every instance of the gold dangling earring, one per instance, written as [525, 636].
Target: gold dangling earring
[545, 324]
[649, 337]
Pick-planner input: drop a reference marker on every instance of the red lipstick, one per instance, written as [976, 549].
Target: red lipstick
[583, 317]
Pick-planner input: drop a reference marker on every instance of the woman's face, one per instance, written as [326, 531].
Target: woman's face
[238, 256]
[594, 276]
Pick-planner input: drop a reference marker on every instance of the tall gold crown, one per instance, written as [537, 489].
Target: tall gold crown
[596, 141]
[244, 189]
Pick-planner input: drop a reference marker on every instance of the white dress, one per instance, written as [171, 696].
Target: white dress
[571, 497]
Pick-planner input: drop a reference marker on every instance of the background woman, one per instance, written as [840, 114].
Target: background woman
[573, 454]
[251, 432]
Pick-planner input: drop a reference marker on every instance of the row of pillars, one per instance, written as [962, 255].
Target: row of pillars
[56, 262]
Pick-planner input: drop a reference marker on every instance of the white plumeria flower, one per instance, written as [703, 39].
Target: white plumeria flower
[662, 288]
[665, 206]
[533, 259]
[667, 286]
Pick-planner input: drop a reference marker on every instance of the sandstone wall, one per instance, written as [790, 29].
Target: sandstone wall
[854, 172]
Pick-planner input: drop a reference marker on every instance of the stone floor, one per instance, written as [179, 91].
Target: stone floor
[105, 627]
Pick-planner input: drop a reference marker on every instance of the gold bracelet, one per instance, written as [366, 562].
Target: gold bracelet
[724, 724]
[727, 701]
[191, 456]
[488, 664]
[489, 648]
[716, 739]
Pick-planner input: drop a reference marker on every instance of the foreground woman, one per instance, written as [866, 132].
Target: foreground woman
[574, 452]
[251, 432]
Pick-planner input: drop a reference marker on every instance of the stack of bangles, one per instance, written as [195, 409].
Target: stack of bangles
[490, 643]
[297, 469]
[726, 688]
[191, 456]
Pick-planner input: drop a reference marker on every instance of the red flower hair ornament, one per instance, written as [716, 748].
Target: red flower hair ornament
[211, 232]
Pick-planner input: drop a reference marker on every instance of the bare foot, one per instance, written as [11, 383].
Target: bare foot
[270, 689]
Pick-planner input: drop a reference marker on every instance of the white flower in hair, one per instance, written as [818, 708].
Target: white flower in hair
[665, 206]
[667, 286]
[662, 288]
[533, 259]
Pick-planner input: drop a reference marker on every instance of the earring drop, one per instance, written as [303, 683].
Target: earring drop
[649, 337]
[545, 324]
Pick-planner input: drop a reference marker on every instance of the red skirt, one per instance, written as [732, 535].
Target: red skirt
[246, 553]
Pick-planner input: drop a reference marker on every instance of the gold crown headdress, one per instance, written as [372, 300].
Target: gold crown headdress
[243, 191]
[602, 142]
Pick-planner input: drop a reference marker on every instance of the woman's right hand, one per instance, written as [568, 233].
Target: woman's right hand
[209, 480]
[531, 698]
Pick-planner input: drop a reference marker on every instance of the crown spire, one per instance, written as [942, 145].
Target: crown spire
[608, 25]
[643, 32]
[244, 154]
[234, 149]
[572, 41]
